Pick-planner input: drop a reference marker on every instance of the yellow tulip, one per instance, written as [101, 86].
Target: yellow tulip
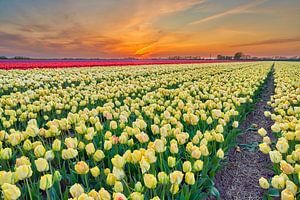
[22, 172]
[176, 177]
[265, 148]
[56, 145]
[10, 192]
[275, 156]
[90, 148]
[81, 167]
[220, 154]
[6, 153]
[104, 194]
[278, 182]
[98, 156]
[69, 153]
[41, 165]
[95, 171]
[262, 132]
[163, 178]
[111, 179]
[76, 190]
[287, 195]
[46, 182]
[198, 165]
[171, 161]
[286, 167]
[7, 177]
[187, 166]
[118, 161]
[190, 178]
[39, 151]
[264, 183]
[150, 181]
[118, 187]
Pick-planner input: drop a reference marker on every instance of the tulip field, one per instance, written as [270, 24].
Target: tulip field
[158, 132]
[29, 64]
[284, 151]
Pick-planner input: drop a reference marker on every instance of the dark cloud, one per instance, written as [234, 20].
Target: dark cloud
[10, 39]
[71, 45]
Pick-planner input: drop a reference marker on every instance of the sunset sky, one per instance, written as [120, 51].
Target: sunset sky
[149, 28]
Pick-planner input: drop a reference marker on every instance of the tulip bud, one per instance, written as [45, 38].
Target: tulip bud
[187, 166]
[107, 145]
[46, 182]
[98, 155]
[27, 145]
[171, 161]
[56, 145]
[190, 178]
[220, 154]
[118, 187]
[95, 171]
[198, 165]
[264, 183]
[138, 187]
[6, 153]
[49, 155]
[110, 179]
[163, 178]
[57, 176]
[265, 148]
[262, 132]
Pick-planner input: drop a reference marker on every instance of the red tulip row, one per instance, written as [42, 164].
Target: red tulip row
[31, 64]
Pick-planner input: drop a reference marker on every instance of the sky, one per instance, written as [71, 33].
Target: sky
[148, 28]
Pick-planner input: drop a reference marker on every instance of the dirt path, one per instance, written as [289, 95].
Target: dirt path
[238, 180]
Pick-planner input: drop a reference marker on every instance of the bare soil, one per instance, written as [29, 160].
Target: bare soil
[238, 180]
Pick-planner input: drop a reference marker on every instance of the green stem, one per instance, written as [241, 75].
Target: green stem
[161, 164]
[29, 190]
[86, 181]
[128, 188]
[48, 196]
[60, 192]
[163, 192]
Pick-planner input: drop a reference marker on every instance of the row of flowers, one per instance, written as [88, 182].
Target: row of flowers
[284, 149]
[164, 144]
[56, 100]
[58, 64]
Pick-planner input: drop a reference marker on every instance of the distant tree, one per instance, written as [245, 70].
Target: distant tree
[21, 58]
[3, 57]
[238, 55]
[220, 57]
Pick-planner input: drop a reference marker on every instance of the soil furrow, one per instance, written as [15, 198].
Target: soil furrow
[246, 164]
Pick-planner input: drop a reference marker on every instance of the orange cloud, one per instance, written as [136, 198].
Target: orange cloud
[269, 42]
